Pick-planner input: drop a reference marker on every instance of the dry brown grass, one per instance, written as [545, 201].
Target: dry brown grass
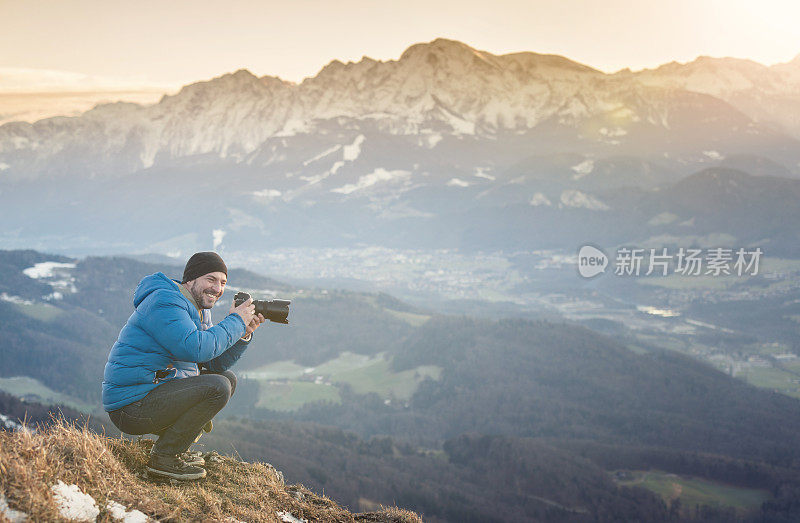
[112, 469]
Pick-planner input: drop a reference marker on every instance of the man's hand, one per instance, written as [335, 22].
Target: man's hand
[246, 311]
[254, 324]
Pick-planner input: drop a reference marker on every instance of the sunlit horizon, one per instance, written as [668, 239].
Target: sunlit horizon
[83, 45]
[19, 80]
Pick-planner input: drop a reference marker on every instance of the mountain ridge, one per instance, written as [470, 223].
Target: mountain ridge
[443, 86]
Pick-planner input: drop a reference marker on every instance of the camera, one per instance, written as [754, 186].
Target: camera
[273, 310]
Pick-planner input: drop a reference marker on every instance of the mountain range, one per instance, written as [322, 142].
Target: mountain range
[446, 139]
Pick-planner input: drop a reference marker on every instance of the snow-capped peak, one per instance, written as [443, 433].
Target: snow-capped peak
[435, 89]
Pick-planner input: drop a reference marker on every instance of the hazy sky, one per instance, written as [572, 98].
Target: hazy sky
[174, 42]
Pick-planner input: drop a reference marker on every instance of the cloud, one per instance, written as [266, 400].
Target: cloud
[20, 80]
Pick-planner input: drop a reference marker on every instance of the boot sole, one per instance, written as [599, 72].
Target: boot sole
[174, 475]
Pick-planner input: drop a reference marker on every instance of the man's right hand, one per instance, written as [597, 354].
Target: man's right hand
[246, 310]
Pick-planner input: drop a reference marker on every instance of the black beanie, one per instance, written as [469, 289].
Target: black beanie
[201, 263]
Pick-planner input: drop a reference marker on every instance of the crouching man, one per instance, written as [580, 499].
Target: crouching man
[167, 374]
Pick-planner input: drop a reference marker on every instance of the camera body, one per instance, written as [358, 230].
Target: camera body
[274, 310]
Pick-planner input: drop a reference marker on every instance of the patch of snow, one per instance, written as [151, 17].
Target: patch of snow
[431, 139]
[573, 110]
[461, 126]
[319, 177]
[323, 154]
[378, 175]
[64, 285]
[540, 199]
[291, 128]
[352, 151]
[174, 254]
[20, 142]
[120, 513]
[73, 503]
[9, 423]
[613, 132]
[287, 517]
[14, 516]
[457, 182]
[46, 269]
[335, 167]
[15, 299]
[662, 219]
[4, 166]
[582, 169]
[480, 172]
[714, 155]
[218, 235]
[269, 194]
[578, 199]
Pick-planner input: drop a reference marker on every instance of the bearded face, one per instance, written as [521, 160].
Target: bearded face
[207, 289]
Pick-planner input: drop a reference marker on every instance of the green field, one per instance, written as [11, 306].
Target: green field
[276, 371]
[29, 388]
[411, 318]
[287, 386]
[773, 379]
[792, 365]
[696, 491]
[39, 311]
[768, 348]
[291, 395]
[379, 378]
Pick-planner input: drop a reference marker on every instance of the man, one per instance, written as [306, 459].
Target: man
[167, 374]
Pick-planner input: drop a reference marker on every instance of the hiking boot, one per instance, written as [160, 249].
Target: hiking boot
[193, 457]
[173, 467]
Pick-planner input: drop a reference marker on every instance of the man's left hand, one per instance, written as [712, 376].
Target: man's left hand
[258, 319]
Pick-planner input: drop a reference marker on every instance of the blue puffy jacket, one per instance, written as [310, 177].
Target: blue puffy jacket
[166, 333]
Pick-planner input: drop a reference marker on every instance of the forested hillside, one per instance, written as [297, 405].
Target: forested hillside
[489, 420]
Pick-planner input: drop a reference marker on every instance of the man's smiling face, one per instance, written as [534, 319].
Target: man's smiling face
[207, 289]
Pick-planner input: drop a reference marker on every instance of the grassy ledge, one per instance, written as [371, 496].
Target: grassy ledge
[110, 470]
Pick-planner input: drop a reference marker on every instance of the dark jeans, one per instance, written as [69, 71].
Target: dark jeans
[176, 410]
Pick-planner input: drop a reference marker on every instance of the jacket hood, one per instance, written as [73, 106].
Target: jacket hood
[150, 284]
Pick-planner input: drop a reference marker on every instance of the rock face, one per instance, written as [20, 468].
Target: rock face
[440, 88]
[766, 94]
